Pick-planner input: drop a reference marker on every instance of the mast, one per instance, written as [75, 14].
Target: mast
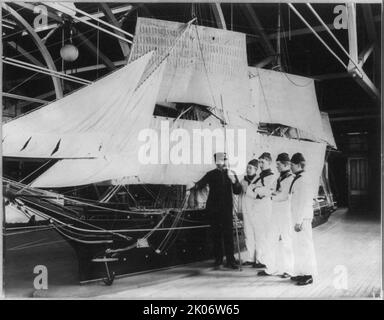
[278, 45]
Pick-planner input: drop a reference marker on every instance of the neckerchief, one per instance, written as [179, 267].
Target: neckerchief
[249, 178]
[263, 174]
[283, 175]
[297, 176]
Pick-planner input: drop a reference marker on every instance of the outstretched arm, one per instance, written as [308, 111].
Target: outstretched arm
[202, 182]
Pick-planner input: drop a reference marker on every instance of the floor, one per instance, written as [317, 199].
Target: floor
[348, 251]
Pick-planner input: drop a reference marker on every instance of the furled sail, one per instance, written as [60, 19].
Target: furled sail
[206, 66]
[286, 99]
[88, 123]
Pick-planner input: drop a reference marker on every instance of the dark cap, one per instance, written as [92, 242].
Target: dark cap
[266, 156]
[297, 158]
[283, 157]
[220, 156]
[254, 163]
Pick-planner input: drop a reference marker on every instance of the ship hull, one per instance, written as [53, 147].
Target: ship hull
[186, 247]
[110, 242]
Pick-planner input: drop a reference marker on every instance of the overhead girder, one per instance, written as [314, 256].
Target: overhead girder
[39, 43]
[112, 19]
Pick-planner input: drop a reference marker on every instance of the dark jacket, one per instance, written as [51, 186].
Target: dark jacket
[220, 191]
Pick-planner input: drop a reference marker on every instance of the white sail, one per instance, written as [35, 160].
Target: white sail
[120, 157]
[286, 99]
[181, 169]
[178, 151]
[255, 145]
[328, 134]
[197, 65]
[206, 66]
[90, 122]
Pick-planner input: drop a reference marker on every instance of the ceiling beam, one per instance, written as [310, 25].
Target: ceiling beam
[359, 75]
[112, 20]
[94, 67]
[71, 71]
[25, 53]
[332, 76]
[32, 67]
[219, 16]
[364, 55]
[337, 111]
[354, 118]
[91, 47]
[305, 31]
[31, 7]
[372, 36]
[95, 51]
[352, 34]
[39, 97]
[43, 49]
[55, 25]
[24, 98]
[265, 62]
[258, 29]
[369, 23]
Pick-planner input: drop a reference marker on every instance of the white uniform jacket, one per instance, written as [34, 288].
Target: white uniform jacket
[301, 199]
[261, 191]
[281, 198]
[302, 213]
[246, 205]
[281, 227]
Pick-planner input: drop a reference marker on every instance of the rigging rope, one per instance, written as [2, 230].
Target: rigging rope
[206, 69]
[43, 165]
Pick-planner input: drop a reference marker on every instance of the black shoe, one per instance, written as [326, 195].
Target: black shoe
[262, 273]
[218, 262]
[247, 263]
[305, 280]
[285, 276]
[232, 265]
[259, 265]
[296, 278]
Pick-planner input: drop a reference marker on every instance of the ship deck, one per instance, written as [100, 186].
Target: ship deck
[348, 250]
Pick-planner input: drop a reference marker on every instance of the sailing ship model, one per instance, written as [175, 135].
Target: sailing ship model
[107, 187]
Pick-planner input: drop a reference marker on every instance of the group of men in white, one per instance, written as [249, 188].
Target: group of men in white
[277, 216]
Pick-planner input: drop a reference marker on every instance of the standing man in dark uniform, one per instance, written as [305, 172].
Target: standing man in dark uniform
[222, 183]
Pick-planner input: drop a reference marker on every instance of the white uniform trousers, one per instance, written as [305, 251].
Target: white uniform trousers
[304, 251]
[281, 248]
[250, 240]
[261, 221]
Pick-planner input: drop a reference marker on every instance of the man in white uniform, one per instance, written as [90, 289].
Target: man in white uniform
[247, 202]
[281, 230]
[262, 211]
[305, 266]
